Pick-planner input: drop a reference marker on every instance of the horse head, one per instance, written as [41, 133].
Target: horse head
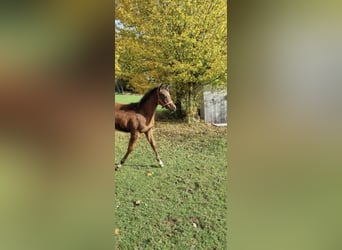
[164, 98]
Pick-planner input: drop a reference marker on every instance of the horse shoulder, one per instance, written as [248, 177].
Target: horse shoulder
[144, 124]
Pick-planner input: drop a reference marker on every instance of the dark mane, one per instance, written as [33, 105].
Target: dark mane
[146, 96]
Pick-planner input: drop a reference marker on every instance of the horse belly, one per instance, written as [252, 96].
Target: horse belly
[121, 124]
[119, 127]
[124, 121]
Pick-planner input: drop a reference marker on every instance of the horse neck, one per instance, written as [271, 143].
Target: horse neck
[148, 107]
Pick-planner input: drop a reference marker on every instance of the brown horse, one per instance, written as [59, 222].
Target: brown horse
[137, 118]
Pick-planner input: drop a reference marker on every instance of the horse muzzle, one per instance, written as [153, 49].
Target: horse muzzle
[170, 106]
[173, 107]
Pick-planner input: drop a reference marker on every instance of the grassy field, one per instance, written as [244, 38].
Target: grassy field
[180, 206]
[131, 98]
[127, 98]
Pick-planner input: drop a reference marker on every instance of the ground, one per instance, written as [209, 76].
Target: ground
[180, 206]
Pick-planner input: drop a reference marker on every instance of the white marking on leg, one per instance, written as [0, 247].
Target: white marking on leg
[161, 163]
[118, 167]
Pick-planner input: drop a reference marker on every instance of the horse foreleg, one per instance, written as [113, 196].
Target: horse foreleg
[132, 141]
[150, 138]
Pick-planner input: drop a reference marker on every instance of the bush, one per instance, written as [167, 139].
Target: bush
[167, 115]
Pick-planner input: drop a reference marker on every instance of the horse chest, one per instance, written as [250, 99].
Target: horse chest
[143, 124]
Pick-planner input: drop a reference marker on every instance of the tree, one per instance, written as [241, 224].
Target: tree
[180, 42]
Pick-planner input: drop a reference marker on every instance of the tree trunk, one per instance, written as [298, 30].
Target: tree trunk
[178, 103]
[190, 114]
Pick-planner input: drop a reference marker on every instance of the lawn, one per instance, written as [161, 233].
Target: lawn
[127, 98]
[180, 206]
[131, 98]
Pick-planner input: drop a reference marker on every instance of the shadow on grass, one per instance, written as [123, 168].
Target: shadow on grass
[140, 166]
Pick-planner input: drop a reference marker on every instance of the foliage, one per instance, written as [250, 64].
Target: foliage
[180, 42]
[180, 206]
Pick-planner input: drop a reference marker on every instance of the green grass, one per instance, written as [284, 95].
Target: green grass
[127, 98]
[131, 98]
[183, 205]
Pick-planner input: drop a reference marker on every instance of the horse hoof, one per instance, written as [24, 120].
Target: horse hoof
[161, 164]
[118, 167]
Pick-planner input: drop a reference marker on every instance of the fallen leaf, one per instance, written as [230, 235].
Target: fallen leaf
[116, 231]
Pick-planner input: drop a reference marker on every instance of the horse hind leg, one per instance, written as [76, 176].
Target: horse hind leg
[132, 142]
[150, 138]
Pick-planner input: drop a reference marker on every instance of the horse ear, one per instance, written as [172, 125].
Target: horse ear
[163, 86]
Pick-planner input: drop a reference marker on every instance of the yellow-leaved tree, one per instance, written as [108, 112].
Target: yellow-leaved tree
[179, 42]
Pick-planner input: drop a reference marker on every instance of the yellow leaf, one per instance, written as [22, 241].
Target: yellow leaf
[116, 231]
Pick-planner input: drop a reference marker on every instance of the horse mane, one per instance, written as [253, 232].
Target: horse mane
[146, 97]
